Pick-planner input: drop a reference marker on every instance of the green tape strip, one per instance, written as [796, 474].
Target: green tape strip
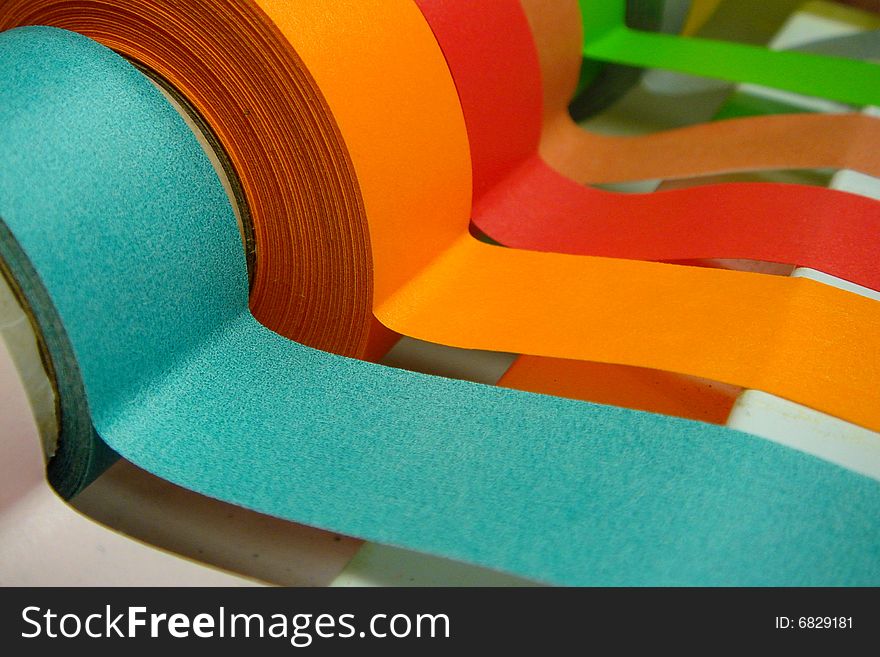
[600, 85]
[607, 38]
[135, 252]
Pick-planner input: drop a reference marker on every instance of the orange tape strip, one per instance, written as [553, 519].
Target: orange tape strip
[631, 387]
[326, 94]
[847, 141]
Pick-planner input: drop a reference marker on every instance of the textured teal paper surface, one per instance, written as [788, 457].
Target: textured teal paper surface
[122, 217]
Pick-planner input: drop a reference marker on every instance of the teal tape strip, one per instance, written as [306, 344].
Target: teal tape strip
[107, 195]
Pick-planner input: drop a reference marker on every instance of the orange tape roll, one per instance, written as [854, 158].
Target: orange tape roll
[343, 124]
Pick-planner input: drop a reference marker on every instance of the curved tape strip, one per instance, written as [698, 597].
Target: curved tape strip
[832, 232]
[539, 209]
[842, 141]
[607, 38]
[112, 201]
[468, 279]
[430, 279]
[753, 412]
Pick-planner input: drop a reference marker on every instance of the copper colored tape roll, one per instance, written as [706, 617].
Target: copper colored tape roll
[409, 179]
[801, 141]
[316, 288]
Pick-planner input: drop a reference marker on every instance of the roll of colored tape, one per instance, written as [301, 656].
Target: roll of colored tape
[332, 70]
[133, 250]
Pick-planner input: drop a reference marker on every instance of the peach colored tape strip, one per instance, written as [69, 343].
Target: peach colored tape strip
[799, 141]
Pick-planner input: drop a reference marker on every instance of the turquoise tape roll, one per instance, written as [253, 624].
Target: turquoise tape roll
[109, 201]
